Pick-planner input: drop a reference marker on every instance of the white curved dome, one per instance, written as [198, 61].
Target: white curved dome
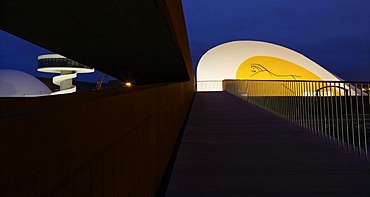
[222, 61]
[14, 83]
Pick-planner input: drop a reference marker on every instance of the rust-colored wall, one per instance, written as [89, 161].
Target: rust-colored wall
[96, 143]
[178, 25]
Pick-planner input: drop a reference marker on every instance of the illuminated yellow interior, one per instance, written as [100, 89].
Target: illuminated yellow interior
[272, 68]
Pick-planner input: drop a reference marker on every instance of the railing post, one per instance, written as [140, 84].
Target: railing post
[352, 123]
[358, 122]
[341, 113]
[336, 113]
[312, 107]
[326, 115]
[364, 120]
[346, 118]
[320, 98]
[332, 120]
[317, 112]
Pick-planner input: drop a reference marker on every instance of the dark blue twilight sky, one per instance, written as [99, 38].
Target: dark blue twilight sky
[333, 33]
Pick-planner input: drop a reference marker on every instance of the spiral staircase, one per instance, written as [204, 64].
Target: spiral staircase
[67, 68]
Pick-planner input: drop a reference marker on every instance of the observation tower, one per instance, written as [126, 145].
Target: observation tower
[67, 68]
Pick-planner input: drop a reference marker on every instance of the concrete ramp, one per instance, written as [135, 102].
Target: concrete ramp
[232, 148]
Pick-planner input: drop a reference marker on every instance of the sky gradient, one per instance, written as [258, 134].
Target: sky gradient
[333, 33]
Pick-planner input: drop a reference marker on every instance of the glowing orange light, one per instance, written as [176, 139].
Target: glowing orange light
[128, 84]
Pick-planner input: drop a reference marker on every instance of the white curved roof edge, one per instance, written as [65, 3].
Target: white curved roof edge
[16, 83]
[222, 61]
[60, 69]
[47, 56]
[36, 95]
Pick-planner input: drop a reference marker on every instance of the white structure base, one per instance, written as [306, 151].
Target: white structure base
[209, 86]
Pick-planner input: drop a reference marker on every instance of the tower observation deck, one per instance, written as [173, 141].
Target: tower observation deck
[68, 69]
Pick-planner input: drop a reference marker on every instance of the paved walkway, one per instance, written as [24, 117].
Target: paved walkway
[232, 148]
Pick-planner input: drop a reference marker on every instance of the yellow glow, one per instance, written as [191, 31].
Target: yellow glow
[272, 68]
[128, 84]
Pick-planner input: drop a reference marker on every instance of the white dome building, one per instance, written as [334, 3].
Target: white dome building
[236, 60]
[14, 83]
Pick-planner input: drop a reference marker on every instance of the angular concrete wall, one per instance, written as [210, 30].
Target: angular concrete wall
[103, 143]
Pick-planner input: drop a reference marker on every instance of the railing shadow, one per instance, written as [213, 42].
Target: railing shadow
[336, 111]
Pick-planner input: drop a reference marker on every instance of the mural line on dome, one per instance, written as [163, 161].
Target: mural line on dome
[258, 68]
[264, 67]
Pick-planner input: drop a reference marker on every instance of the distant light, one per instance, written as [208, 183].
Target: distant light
[128, 84]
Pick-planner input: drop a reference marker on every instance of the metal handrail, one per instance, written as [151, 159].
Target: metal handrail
[336, 111]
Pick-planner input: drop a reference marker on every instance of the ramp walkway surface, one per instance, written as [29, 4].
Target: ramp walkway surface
[233, 148]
